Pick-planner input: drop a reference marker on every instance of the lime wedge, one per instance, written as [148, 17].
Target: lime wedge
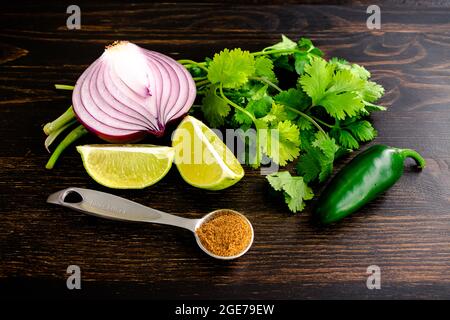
[202, 158]
[126, 166]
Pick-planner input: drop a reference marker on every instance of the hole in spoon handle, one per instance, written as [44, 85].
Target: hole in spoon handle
[72, 197]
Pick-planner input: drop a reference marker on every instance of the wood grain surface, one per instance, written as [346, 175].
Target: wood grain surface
[406, 232]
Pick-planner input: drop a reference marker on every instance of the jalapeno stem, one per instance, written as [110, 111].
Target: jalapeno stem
[409, 153]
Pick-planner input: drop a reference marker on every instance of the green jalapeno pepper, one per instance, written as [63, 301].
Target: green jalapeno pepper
[364, 178]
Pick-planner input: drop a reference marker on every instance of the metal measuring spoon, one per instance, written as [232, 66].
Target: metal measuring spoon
[105, 205]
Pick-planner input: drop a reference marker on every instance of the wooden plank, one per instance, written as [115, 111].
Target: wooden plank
[405, 231]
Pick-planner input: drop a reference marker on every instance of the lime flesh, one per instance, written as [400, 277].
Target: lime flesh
[126, 166]
[202, 158]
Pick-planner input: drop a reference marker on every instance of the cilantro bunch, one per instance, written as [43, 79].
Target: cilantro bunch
[318, 106]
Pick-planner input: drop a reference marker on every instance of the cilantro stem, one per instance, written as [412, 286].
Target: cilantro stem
[74, 135]
[200, 78]
[261, 53]
[322, 122]
[224, 97]
[267, 81]
[60, 122]
[201, 92]
[187, 63]
[201, 83]
[304, 115]
[311, 119]
[63, 87]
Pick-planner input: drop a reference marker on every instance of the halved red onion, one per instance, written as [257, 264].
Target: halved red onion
[129, 92]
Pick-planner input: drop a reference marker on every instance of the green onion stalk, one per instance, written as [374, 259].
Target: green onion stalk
[58, 126]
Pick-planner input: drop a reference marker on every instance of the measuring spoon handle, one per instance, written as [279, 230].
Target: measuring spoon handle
[108, 206]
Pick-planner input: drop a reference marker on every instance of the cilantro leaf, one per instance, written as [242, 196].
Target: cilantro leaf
[317, 162]
[343, 104]
[283, 62]
[317, 78]
[247, 150]
[339, 62]
[295, 190]
[307, 45]
[293, 98]
[214, 108]
[362, 130]
[304, 124]
[356, 69]
[242, 119]
[278, 179]
[329, 148]
[285, 44]
[308, 166]
[289, 132]
[344, 138]
[277, 113]
[360, 71]
[326, 144]
[231, 68]
[352, 132]
[280, 112]
[283, 143]
[301, 59]
[372, 91]
[258, 92]
[345, 80]
[369, 107]
[264, 68]
[250, 90]
[342, 91]
[260, 107]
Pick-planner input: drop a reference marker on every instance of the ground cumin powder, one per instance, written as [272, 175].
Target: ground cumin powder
[225, 234]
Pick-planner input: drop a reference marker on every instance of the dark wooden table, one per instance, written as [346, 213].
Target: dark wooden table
[406, 232]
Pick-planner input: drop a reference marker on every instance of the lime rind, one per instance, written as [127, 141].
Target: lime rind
[228, 176]
[159, 152]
